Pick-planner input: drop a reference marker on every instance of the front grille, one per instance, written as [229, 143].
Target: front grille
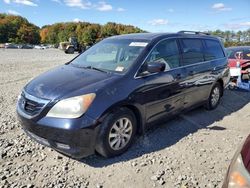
[31, 105]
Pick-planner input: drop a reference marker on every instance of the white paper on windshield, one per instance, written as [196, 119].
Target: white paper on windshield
[138, 44]
[119, 68]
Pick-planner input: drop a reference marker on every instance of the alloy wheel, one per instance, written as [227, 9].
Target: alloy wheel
[215, 97]
[120, 133]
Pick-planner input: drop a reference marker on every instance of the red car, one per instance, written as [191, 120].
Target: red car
[239, 61]
[238, 174]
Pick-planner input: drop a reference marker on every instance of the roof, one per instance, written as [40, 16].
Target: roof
[152, 36]
[142, 36]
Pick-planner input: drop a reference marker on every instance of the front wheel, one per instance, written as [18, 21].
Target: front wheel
[116, 133]
[214, 97]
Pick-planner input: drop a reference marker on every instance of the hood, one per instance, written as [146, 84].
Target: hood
[64, 80]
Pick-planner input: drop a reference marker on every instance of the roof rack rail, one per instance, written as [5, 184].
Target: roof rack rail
[194, 32]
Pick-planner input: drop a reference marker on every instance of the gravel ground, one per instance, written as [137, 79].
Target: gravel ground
[192, 150]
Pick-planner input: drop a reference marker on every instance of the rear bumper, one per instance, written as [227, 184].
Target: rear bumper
[75, 138]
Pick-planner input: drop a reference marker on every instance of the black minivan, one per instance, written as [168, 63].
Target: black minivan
[101, 99]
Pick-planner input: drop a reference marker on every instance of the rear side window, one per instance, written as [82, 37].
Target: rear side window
[213, 50]
[192, 51]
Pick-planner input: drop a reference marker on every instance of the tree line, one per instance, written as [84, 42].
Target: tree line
[86, 33]
[232, 38]
[17, 29]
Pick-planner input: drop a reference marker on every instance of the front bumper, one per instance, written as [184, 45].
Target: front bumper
[73, 137]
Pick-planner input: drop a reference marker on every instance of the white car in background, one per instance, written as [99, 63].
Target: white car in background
[39, 47]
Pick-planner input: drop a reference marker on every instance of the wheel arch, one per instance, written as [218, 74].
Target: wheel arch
[221, 82]
[138, 112]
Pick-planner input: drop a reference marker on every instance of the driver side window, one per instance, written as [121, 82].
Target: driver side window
[166, 52]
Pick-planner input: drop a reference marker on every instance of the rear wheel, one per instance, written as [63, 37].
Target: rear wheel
[214, 97]
[116, 133]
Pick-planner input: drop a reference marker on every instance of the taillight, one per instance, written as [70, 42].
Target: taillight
[245, 153]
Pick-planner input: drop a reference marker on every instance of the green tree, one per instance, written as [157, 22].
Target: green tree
[17, 29]
[109, 29]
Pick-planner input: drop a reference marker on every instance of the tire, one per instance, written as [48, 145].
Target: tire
[70, 50]
[214, 97]
[116, 133]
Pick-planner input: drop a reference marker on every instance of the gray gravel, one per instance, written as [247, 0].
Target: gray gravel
[192, 150]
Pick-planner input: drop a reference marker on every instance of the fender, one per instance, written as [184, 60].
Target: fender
[138, 109]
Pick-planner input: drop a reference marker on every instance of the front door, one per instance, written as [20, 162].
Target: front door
[163, 92]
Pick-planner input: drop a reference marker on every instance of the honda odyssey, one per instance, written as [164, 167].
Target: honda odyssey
[101, 99]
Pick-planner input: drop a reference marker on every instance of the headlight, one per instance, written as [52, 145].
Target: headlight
[72, 107]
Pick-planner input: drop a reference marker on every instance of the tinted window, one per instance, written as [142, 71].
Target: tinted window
[238, 53]
[213, 50]
[192, 51]
[230, 53]
[246, 54]
[166, 52]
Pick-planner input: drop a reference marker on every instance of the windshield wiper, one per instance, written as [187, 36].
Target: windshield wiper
[94, 68]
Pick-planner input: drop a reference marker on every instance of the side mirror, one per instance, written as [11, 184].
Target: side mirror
[154, 67]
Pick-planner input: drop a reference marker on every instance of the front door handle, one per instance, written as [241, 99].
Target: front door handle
[191, 73]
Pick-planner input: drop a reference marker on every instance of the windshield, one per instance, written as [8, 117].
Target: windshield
[111, 55]
[238, 53]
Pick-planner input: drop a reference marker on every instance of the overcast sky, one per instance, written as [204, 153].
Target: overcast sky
[153, 15]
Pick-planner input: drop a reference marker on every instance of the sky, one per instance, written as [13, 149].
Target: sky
[152, 16]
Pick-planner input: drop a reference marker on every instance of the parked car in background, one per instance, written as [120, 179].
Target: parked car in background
[41, 47]
[239, 61]
[119, 87]
[26, 46]
[10, 46]
[238, 174]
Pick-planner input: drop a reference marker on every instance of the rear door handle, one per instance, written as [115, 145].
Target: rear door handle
[178, 76]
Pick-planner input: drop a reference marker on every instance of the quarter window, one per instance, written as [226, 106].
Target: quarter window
[213, 50]
[192, 51]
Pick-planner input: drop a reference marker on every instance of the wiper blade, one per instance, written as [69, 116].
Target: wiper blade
[94, 68]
